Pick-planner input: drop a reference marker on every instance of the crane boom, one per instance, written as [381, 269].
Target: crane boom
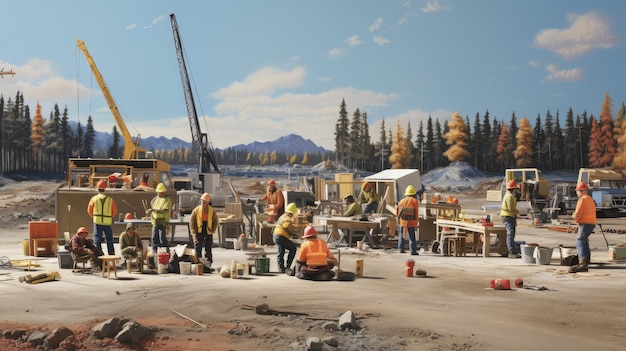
[199, 139]
[131, 147]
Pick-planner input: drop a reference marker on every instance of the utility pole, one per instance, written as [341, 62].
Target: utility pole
[383, 152]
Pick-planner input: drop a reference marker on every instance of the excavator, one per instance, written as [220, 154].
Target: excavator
[207, 177]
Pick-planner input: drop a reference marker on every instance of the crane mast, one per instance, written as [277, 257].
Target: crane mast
[206, 158]
[131, 147]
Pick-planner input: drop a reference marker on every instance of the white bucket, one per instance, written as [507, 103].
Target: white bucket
[185, 268]
[528, 253]
[542, 255]
[163, 268]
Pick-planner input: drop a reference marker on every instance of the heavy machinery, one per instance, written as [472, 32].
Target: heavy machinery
[534, 191]
[607, 187]
[131, 147]
[207, 178]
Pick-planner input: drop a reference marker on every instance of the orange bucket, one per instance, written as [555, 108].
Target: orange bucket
[408, 268]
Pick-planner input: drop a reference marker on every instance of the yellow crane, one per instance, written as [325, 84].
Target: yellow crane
[131, 147]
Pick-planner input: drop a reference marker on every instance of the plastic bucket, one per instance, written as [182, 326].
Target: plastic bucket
[358, 268]
[65, 259]
[528, 252]
[408, 268]
[197, 268]
[542, 255]
[185, 267]
[164, 258]
[263, 265]
[163, 268]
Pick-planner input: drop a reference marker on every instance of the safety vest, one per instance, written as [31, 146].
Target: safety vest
[161, 203]
[585, 212]
[209, 221]
[284, 226]
[102, 210]
[314, 253]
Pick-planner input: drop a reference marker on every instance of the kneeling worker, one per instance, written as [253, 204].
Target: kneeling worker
[353, 208]
[314, 260]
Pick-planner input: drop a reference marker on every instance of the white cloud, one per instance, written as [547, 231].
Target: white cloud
[380, 40]
[353, 41]
[433, 6]
[533, 63]
[131, 26]
[567, 75]
[376, 25]
[334, 53]
[157, 20]
[586, 32]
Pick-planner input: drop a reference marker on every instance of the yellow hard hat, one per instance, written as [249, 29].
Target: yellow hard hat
[410, 191]
[291, 208]
[160, 188]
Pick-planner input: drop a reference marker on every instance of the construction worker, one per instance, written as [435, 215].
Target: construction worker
[369, 197]
[275, 201]
[314, 261]
[282, 234]
[203, 222]
[407, 213]
[585, 217]
[159, 211]
[102, 210]
[509, 213]
[80, 247]
[130, 243]
[352, 207]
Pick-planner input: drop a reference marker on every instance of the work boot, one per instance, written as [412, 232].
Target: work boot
[580, 267]
[512, 254]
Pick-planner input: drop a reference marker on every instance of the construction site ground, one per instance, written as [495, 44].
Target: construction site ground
[452, 308]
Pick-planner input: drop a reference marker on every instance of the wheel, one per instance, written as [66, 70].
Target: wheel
[434, 248]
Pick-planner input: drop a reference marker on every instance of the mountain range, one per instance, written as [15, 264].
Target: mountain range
[291, 143]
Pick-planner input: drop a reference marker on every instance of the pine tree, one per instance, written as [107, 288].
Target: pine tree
[457, 138]
[619, 162]
[539, 138]
[510, 148]
[115, 151]
[354, 147]
[559, 143]
[524, 152]
[607, 141]
[342, 138]
[595, 147]
[571, 139]
[420, 147]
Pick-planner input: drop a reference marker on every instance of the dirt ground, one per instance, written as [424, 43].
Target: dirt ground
[453, 308]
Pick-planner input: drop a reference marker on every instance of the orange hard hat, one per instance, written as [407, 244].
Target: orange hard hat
[128, 216]
[511, 185]
[309, 231]
[205, 197]
[82, 230]
[102, 184]
[271, 182]
[582, 186]
[365, 185]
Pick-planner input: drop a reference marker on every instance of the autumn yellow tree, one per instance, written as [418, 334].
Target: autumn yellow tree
[36, 137]
[607, 142]
[398, 149]
[524, 152]
[595, 148]
[501, 148]
[457, 137]
[619, 162]
[305, 158]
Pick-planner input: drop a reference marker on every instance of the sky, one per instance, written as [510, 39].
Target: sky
[264, 69]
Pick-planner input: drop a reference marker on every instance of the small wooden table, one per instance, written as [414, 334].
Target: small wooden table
[108, 264]
[52, 241]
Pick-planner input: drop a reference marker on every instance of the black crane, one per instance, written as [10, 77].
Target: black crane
[200, 144]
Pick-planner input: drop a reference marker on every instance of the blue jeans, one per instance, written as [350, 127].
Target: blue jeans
[205, 241]
[159, 237]
[98, 229]
[509, 224]
[371, 208]
[283, 244]
[582, 241]
[412, 241]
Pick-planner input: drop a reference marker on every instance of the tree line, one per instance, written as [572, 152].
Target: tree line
[489, 144]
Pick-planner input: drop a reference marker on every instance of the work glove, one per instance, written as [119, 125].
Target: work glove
[148, 211]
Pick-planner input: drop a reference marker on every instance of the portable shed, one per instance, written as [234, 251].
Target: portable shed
[391, 183]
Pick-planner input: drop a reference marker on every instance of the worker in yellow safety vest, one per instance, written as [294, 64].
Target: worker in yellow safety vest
[203, 222]
[102, 210]
[159, 211]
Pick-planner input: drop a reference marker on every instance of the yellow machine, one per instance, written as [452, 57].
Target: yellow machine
[131, 147]
[534, 189]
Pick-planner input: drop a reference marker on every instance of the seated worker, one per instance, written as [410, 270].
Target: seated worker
[81, 247]
[314, 260]
[353, 208]
[130, 243]
[369, 196]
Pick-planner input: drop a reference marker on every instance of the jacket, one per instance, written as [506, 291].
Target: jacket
[585, 212]
[197, 217]
[102, 209]
[284, 226]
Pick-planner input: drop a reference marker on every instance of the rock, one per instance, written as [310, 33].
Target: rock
[347, 321]
[132, 333]
[313, 344]
[332, 326]
[331, 341]
[106, 329]
[56, 337]
[37, 338]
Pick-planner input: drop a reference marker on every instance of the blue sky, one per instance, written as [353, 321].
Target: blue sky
[264, 69]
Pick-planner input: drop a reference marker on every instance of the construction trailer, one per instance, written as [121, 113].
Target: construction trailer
[391, 183]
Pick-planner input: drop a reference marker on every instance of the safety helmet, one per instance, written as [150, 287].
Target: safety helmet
[82, 230]
[128, 215]
[205, 197]
[582, 186]
[271, 182]
[410, 191]
[309, 231]
[349, 198]
[511, 185]
[160, 188]
[292, 208]
[102, 184]
[365, 185]
[130, 225]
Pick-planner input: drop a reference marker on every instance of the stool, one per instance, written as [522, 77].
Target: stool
[138, 261]
[108, 265]
[456, 246]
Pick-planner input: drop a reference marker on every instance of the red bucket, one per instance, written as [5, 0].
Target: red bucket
[501, 284]
[164, 258]
[408, 268]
